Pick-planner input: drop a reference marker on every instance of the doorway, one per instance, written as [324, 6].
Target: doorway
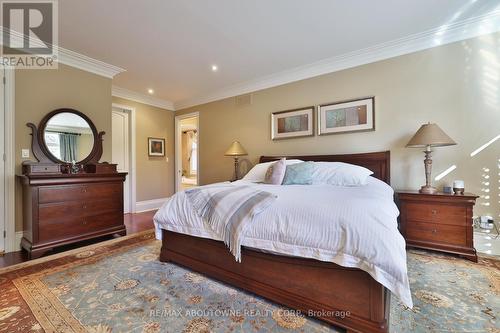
[187, 151]
[123, 151]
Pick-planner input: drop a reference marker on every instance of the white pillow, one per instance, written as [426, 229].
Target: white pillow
[258, 173]
[340, 174]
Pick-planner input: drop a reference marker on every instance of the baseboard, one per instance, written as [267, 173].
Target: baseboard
[147, 205]
[19, 235]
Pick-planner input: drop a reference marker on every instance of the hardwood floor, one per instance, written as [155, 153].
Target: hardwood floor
[139, 222]
[133, 222]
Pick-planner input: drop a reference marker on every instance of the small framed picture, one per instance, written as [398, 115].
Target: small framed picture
[156, 147]
[347, 116]
[292, 123]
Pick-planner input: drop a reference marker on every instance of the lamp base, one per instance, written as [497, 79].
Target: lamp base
[428, 190]
[236, 169]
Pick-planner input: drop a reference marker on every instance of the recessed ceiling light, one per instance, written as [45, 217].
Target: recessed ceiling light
[215, 68]
[151, 91]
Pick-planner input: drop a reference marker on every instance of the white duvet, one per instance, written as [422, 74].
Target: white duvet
[349, 226]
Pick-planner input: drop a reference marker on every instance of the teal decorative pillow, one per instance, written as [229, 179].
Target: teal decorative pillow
[299, 174]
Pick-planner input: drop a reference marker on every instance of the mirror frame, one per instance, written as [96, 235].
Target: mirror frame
[95, 153]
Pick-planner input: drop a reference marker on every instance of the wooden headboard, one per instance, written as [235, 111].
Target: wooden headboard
[378, 162]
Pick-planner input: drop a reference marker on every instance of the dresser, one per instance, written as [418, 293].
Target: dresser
[69, 195]
[61, 209]
[440, 221]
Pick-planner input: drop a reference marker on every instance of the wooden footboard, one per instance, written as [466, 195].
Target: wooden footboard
[346, 297]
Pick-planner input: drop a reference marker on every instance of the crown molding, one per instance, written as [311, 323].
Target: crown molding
[142, 98]
[445, 34]
[80, 61]
[70, 58]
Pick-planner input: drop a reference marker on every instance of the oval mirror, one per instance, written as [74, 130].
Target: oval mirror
[69, 137]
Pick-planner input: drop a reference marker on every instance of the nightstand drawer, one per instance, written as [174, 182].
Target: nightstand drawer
[433, 232]
[438, 221]
[436, 213]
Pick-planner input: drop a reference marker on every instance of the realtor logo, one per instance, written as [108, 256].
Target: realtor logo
[29, 33]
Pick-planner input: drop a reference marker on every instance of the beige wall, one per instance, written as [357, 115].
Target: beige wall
[454, 85]
[40, 91]
[155, 175]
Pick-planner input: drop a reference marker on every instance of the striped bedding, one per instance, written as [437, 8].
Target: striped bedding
[228, 209]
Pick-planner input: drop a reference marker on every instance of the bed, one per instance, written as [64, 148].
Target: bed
[308, 281]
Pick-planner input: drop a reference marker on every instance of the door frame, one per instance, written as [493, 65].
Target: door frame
[10, 167]
[178, 148]
[132, 154]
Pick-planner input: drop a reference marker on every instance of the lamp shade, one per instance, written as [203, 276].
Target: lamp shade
[430, 135]
[236, 149]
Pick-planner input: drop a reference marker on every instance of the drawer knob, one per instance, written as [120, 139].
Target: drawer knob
[434, 212]
[434, 231]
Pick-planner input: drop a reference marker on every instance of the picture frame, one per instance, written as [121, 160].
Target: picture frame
[356, 115]
[293, 123]
[156, 147]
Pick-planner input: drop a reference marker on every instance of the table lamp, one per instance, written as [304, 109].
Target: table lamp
[236, 150]
[428, 136]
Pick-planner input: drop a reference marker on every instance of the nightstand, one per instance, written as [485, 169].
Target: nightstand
[440, 221]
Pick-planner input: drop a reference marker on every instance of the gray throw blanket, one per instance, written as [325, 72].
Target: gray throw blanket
[228, 209]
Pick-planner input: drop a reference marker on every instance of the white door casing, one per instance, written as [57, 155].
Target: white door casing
[178, 149]
[3, 194]
[11, 243]
[121, 150]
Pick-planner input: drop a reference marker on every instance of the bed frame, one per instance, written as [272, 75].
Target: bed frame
[346, 297]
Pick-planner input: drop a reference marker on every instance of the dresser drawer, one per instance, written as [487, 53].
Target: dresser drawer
[79, 192]
[62, 210]
[43, 168]
[434, 232]
[77, 226]
[436, 213]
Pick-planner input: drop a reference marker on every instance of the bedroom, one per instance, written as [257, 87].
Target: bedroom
[322, 83]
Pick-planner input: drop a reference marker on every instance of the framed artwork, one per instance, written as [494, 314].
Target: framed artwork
[156, 147]
[292, 123]
[347, 116]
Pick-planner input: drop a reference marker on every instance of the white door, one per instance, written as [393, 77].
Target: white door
[3, 215]
[121, 150]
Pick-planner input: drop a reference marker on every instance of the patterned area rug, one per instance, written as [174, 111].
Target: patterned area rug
[120, 286]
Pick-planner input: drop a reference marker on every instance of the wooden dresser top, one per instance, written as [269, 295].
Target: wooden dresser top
[416, 192]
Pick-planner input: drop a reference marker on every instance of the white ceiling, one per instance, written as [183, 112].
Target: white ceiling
[68, 122]
[170, 45]
[67, 119]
